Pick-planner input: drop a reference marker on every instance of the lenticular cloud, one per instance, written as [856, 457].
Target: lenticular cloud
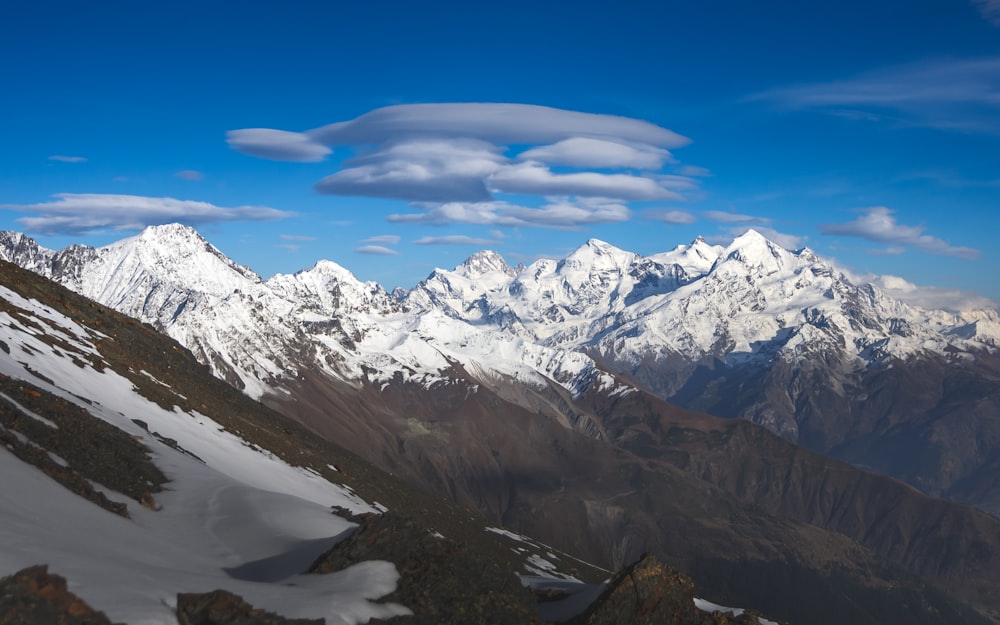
[72, 213]
[493, 122]
[451, 160]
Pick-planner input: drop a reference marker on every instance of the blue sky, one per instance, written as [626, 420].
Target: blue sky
[396, 137]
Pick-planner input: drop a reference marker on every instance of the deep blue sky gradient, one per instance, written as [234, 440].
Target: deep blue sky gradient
[144, 90]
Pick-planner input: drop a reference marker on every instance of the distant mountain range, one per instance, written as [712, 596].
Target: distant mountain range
[539, 395]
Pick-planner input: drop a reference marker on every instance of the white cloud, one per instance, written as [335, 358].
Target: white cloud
[990, 10]
[68, 159]
[532, 179]
[556, 214]
[377, 250]
[73, 213]
[878, 224]
[291, 247]
[453, 160]
[599, 153]
[672, 216]
[950, 94]
[190, 174]
[454, 239]
[735, 218]
[935, 298]
[383, 239]
[296, 237]
[423, 170]
[278, 145]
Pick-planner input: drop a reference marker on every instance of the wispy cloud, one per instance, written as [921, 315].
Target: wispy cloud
[949, 94]
[383, 239]
[68, 159]
[878, 224]
[455, 162]
[556, 214]
[190, 174]
[81, 213]
[377, 250]
[990, 10]
[672, 216]
[734, 218]
[455, 239]
[695, 170]
[296, 237]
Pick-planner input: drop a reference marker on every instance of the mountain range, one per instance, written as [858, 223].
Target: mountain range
[570, 401]
[138, 488]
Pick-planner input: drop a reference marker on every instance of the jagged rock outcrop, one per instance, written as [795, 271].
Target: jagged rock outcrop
[33, 596]
[221, 607]
[647, 592]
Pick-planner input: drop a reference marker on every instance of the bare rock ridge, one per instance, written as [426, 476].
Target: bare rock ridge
[537, 396]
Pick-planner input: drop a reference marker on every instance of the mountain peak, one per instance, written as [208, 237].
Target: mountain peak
[595, 249]
[754, 249]
[172, 232]
[482, 263]
[600, 246]
[324, 267]
[750, 237]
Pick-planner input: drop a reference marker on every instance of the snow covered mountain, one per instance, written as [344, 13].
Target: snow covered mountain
[157, 491]
[781, 338]
[751, 330]
[529, 393]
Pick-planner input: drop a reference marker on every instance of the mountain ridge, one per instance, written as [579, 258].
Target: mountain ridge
[529, 363]
[682, 324]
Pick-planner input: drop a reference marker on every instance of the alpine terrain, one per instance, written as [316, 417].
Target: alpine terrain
[539, 396]
[139, 489]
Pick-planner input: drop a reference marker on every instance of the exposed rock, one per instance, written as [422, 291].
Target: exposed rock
[33, 596]
[650, 593]
[441, 581]
[221, 607]
[75, 448]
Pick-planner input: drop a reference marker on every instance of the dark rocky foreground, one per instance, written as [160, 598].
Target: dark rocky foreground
[443, 582]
